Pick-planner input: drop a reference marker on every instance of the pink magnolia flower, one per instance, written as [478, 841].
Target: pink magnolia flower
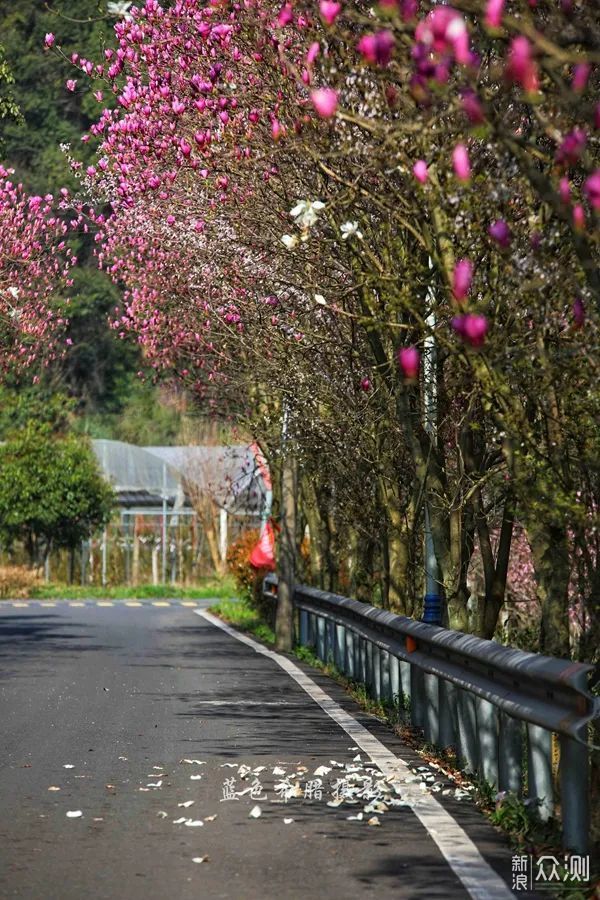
[471, 328]
[420, 171]
[285, 16]
[578, 217]
[365, 384]
[493, 13]
[330, 10]
[49, 39]
[409, 360]
[325, 101]
[312, 53]
[500, 232]
[571, 148]
[578, 312]
[521, 67]
[444, 30]
[377, 48]
[461, 163]
[461, 279]
[564, 190]
[472, 107]
[71, 84]
[581, 74]
[592, 189]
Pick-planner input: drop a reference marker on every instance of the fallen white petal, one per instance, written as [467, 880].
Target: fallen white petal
[322, 770]
[195, 777]
[53, 788]
[162, 814]
[374, 821]
[124, 758]
[210, 818]
[278, 771]
[228, 766]
[194, 823]
[255, 812]
[186, 803]
[154, 784]
[357, 758]
[357, 818]
[74, 814]
[198, 762]
[179, 821]
[68, 766]
[199, 859]
[287, 821]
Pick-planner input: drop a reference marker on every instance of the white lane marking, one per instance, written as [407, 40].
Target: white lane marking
[76, 604]
[45, 603]
[461, 854]
[104, 603]
[132, 603]
[160, 603]
[187, 603]
[19, 605]
[243, 703]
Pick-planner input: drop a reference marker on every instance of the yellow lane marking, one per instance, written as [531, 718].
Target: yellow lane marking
[187, 603]
[20, 604]
[160, 603]
[76, 604]
[44, 603]
[132, 603]
[103, 603]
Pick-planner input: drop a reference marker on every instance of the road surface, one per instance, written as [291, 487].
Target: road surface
[101, 704]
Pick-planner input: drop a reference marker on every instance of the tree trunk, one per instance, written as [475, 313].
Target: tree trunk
[284, 620]
[552, 565]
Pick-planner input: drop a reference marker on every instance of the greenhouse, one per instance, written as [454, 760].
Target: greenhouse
[178, 510]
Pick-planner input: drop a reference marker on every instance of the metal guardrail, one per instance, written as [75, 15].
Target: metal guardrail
[517, 720]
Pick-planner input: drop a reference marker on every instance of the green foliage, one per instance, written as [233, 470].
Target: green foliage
[8, 108]
[51, 492]
[241, 614]
[208, 588]
[20, 404]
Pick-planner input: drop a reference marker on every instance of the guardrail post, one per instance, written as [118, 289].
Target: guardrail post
[330, 639]
[467, 731]
[340, 647]
[574, 793]
[321, 641]
[487, 732]
[303, 628]
[386, 685]
[362, 660]
[539, 769]
[395, 687]
[510, 765]
[376, 672]
[350, 653]
[432, 708]
[405, 679]
[312, 630]
[369, 666]
[447, 731]
[417, 696]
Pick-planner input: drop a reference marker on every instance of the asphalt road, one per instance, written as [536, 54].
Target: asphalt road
[106, 702]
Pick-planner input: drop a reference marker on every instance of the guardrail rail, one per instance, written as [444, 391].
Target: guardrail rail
[516, 719]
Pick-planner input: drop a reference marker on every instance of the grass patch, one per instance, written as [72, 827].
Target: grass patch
[205, 589]
[241, 615]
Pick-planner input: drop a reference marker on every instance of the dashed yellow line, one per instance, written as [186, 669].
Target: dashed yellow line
[44, 603]
[160, 603]
[133, 603]
[19, 604]
[187, 603]
[76, 604]
[105, 603]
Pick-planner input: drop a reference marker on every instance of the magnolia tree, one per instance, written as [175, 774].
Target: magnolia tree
[309, 202]
[35, 266]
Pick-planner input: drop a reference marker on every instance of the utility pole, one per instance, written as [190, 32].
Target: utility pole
[284, 621]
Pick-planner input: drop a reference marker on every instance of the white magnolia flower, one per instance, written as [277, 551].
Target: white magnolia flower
[289, 241]
[119, 8]
[320, 299]
[349, 229]
[14, 292]
[306, 212]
